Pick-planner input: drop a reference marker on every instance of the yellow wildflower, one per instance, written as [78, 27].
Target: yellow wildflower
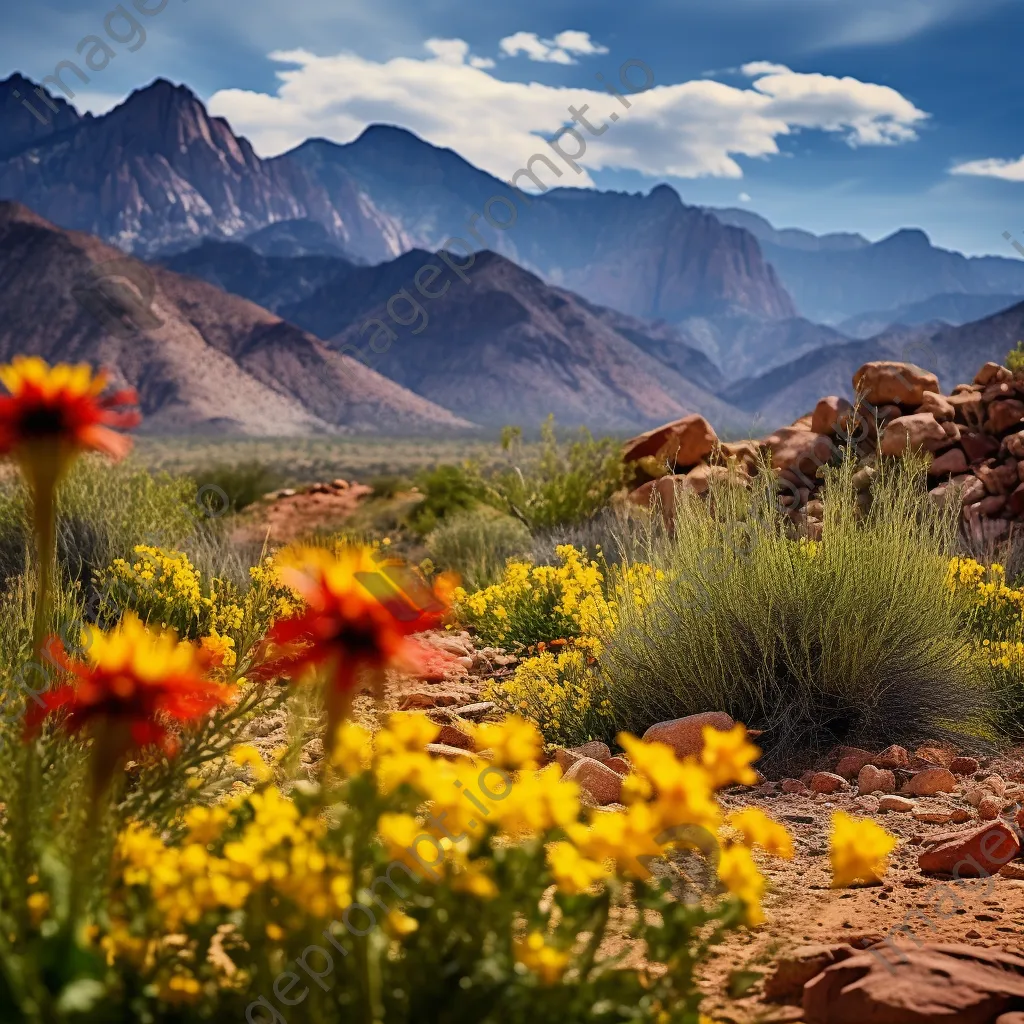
[858, 849]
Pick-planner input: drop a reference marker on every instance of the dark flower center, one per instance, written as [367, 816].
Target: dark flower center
[42, 421]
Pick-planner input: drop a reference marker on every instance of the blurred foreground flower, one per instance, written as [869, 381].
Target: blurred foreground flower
[859, 850]
[356, 621]
[130, 684]
[51, 415]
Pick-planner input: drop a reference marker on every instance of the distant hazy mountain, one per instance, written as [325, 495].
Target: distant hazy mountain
[954, 353]
[835, 278]
[302, 237]
[953, 309]
[788, 238]
[202, 360]
[513, 349]
[21, 125]
[270, 281]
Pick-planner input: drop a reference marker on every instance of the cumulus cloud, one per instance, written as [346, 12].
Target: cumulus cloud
[756, 68]
[551, 51]
[744, 197]
[686, 129]
[1006, 170]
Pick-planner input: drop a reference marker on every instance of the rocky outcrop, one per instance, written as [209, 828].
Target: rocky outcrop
[974, 437]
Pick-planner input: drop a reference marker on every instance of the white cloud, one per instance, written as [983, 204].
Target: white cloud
[1006, 170]
[756, 68]
[578, 42]
[744, 197]
[551, 51]
[481, 62]
[686, 129]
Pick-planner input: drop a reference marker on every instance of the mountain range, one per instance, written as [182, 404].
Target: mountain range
[614, 309]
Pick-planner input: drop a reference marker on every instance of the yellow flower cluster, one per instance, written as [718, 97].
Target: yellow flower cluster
[278, 851]
[563, 612]
[283, 602]
[859, 850]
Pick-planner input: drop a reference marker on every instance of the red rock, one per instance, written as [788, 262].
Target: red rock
[1015, 502]
[933, 757]
[686, 735]
[454, 737]
[938, 405]
[596, 779]
[990, 506]
[960, 815]
[929, 782]
[795, 969]
[565, 759]
[850, 765]
[892, 757]
[974, 853]
[933, 984]
[903, 383]
[794, 786]
[899, 804]
[1015, 444]
[827, 782]
[450, 753]
[992, 373]
[619, 765]
[968, 408]
[872, 779]
[998, 479]
[701, 477]
[665, 493]
[420, 701]
[978, 446]
[948, 463]
[989, 808]
[909, 433]
[831, 415]
[799, 450]
[682, 443]
[596, 749]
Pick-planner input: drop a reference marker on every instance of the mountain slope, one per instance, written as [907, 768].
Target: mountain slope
[200, 359]
[158, 173]
[507, 348]
[646, 255]
[270, 281]
[954, 309]
[21, 127]
[788, 238]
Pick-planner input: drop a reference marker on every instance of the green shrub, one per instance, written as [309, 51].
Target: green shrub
[563, 484]
[1015, 358]
[855, 639]
[103, 511]
[477, 544]
[446, 490]
[388, 486]
[237, 486]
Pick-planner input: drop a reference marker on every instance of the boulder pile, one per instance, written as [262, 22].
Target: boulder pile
[974, 436]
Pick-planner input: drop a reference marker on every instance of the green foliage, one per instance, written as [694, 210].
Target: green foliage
[235, 486]
[388, 486]
[854, 639]
[446, 490]
[562, 484]
[1015, 358]
[477, 544]
[103, 511]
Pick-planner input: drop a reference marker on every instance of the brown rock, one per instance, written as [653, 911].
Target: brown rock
[831, 415]
[598, 780]
[701, 477]
[977, 446]
[929, 782]
[450, 753]
[973, 853]
[995, 784]
[872, 779]
[938, 405]
[892, 757]
[948, 463]
[1013, 1017]
[475, 712]
[794, 786]
[664, 493]
[968, 408]
[423, 701]
[998, 479]
[989, 808]
[682, 443]
[619, 765]
[916, 431]
[827, 782]
[933, 984]
[960, 815]
[596, 749]
[1015, 444]
[990, 506]
[896, 803]
[795, 969]
[454, 737]
[850, 764]
[801, 451]
[902, 383]
[565, 759]
[686, 735]
[992, 373]
[933, 817]
[1015, 502]
[934, 757]
[1004, 415]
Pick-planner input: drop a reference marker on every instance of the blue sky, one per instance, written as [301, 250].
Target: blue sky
[857, 115]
